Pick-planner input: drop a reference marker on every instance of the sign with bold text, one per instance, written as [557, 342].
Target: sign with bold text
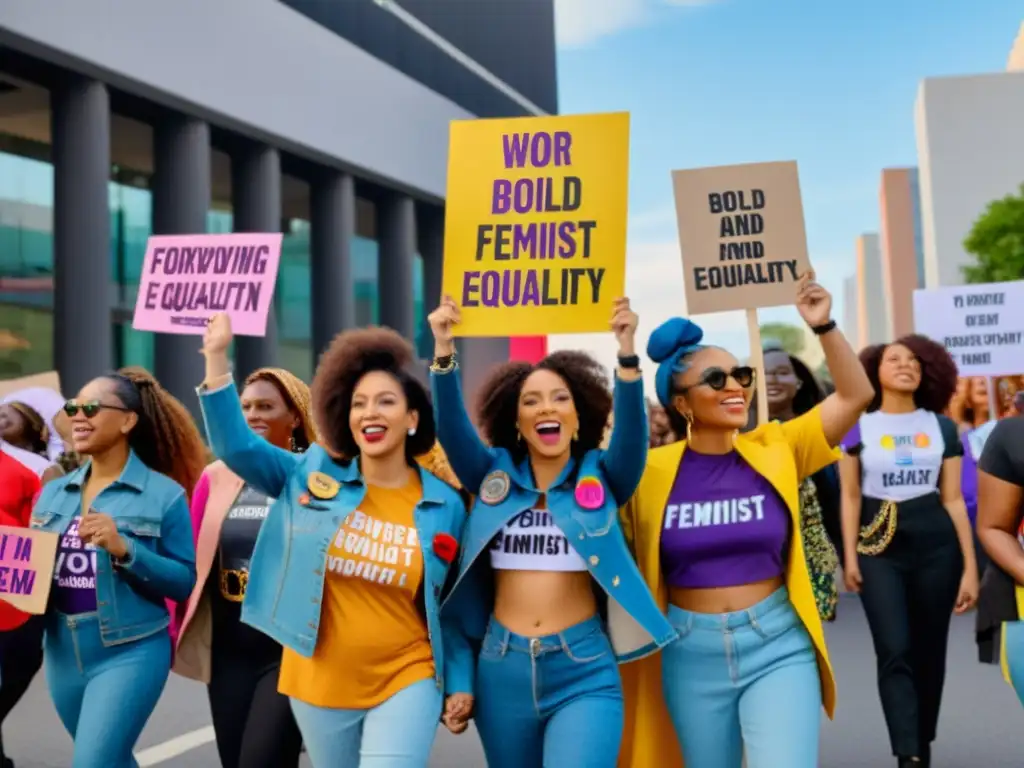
[741, 232]
[26, 567]
[535, 223]
[981, 326]
[186, 279]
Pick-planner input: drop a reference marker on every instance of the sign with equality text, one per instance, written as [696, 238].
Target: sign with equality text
[535, 223]
[981, 326]
[26, 567]
[741, 232]
[186, 279]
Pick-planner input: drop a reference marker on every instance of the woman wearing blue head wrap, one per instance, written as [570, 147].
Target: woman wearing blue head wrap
[715, 525]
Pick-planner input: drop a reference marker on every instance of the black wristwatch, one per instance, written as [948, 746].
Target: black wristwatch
[821, 330]
[629, 362]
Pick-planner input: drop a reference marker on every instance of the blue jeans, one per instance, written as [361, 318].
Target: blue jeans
[103, 695]
[740, 682]
[397, 733]
[1013, 648]
[549, 702]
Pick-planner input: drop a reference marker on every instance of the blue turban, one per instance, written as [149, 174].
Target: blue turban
[670, 342]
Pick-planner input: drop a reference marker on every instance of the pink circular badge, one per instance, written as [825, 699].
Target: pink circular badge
[590, 493]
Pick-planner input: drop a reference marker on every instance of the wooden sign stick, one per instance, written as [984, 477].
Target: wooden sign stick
[757, 362]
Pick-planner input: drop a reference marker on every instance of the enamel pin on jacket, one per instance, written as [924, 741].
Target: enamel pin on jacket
[583, 502]
[314, 494]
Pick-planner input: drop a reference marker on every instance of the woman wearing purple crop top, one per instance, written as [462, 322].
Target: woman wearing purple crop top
[715, 525]
[908, 541]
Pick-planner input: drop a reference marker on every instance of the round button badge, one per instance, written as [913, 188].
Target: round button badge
[495, 487]
[590, 493]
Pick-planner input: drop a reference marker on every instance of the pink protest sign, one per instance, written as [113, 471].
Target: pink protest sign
[26, 567]
[186, 279]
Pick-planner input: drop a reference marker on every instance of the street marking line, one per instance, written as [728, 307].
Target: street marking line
[179, 745]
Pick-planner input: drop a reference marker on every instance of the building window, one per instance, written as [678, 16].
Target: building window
[293, 302]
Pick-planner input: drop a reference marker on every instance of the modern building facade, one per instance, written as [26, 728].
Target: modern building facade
[902, 246]
[969, 154]
[1015, 63]
[325, 121]
[851, 311]
[872, 313]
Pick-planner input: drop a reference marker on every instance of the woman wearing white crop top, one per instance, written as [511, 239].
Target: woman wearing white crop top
[908, 541]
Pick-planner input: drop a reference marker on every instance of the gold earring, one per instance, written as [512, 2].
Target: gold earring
[519, 435]
[689, 429]
[576, 434]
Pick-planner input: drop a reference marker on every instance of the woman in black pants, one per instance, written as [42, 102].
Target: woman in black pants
[908, 541]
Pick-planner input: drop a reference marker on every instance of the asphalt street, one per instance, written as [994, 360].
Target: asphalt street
[982, 722]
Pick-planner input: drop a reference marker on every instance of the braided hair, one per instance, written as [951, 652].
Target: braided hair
[165, 438]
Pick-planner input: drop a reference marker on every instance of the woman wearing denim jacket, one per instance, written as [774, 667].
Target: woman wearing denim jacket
[543, 534]
[350, 561]
[125, 547]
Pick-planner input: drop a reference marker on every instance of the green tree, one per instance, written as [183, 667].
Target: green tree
[997, 242]
[789, 337]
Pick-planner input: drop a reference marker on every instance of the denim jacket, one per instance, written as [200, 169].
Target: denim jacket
[636, 626]
[151, 513]
[287, 570]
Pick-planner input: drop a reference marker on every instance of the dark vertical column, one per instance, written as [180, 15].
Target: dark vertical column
[332, 227]
[477, 358]
[181, 201]
[83, 294]
[430, 227]
[256, 203]
[396, 238]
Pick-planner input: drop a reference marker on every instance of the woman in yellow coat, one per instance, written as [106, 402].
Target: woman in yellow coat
[715, 529]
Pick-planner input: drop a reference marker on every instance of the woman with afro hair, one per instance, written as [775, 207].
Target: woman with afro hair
[547, 590]
[125, 548]
[350, 562]
[908, 541]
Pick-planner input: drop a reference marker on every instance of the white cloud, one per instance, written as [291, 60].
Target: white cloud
[581, 22]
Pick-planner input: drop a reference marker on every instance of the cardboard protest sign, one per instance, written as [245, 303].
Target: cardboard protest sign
[186, 279]
[535, 223]
[26, 567]
[49, 380]
[741, 232]
[981, 326]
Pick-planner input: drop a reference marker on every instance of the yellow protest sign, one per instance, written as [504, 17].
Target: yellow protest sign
[535, 223]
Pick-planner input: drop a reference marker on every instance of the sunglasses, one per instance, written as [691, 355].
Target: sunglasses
[91, 408]
[717, 378]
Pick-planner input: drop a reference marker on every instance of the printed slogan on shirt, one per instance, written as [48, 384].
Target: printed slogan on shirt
[741, 232]
[376, 551]
[535, 224]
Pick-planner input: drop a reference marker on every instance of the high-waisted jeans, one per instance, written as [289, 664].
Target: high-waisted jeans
[397, 733]
[103, 695]
[549, 702]
[744, 682]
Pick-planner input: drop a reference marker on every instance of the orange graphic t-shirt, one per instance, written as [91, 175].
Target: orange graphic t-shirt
[373, 640]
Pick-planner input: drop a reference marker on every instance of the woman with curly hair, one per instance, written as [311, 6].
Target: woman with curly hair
[351, 559]
[253, 723]
[715, 524]
[547, 589]
[125, 547]
[909, 546]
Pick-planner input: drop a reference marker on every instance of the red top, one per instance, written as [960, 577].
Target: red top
[19, 487]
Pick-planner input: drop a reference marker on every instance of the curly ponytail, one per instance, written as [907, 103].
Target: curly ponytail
[165, 438]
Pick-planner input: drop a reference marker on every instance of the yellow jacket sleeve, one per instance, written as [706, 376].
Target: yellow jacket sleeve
[806, 438]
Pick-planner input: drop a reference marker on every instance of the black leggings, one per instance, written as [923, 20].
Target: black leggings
[21, 656]
[908, 594]
[253, 723]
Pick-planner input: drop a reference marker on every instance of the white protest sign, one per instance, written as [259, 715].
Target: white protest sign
[981, 326]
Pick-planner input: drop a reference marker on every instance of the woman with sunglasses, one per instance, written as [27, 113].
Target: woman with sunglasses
[253, 723]
[125, 547]
[909, 545]
[547, 590]
[715, 524]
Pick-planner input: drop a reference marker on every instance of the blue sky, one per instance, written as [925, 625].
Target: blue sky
[731, 81]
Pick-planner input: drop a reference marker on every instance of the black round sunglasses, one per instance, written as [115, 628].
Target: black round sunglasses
[90, 408]
[717, 378]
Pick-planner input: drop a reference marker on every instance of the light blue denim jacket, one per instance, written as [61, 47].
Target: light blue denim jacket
[286, 576]
[151, 513]
[636, 626]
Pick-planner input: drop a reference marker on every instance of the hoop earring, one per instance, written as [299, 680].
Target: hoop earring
[576, 435]
[689, 429]
[292, 445]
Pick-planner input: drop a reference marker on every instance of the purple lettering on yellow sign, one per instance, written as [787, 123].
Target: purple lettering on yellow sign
[17, 576]
[186, 279]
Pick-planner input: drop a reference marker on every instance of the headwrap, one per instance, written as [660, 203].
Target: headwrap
[668, 345]
[47, 403]
[296, 395]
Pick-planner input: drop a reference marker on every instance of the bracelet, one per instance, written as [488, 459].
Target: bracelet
[443, 364]
[821, 330]
[629, 362]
